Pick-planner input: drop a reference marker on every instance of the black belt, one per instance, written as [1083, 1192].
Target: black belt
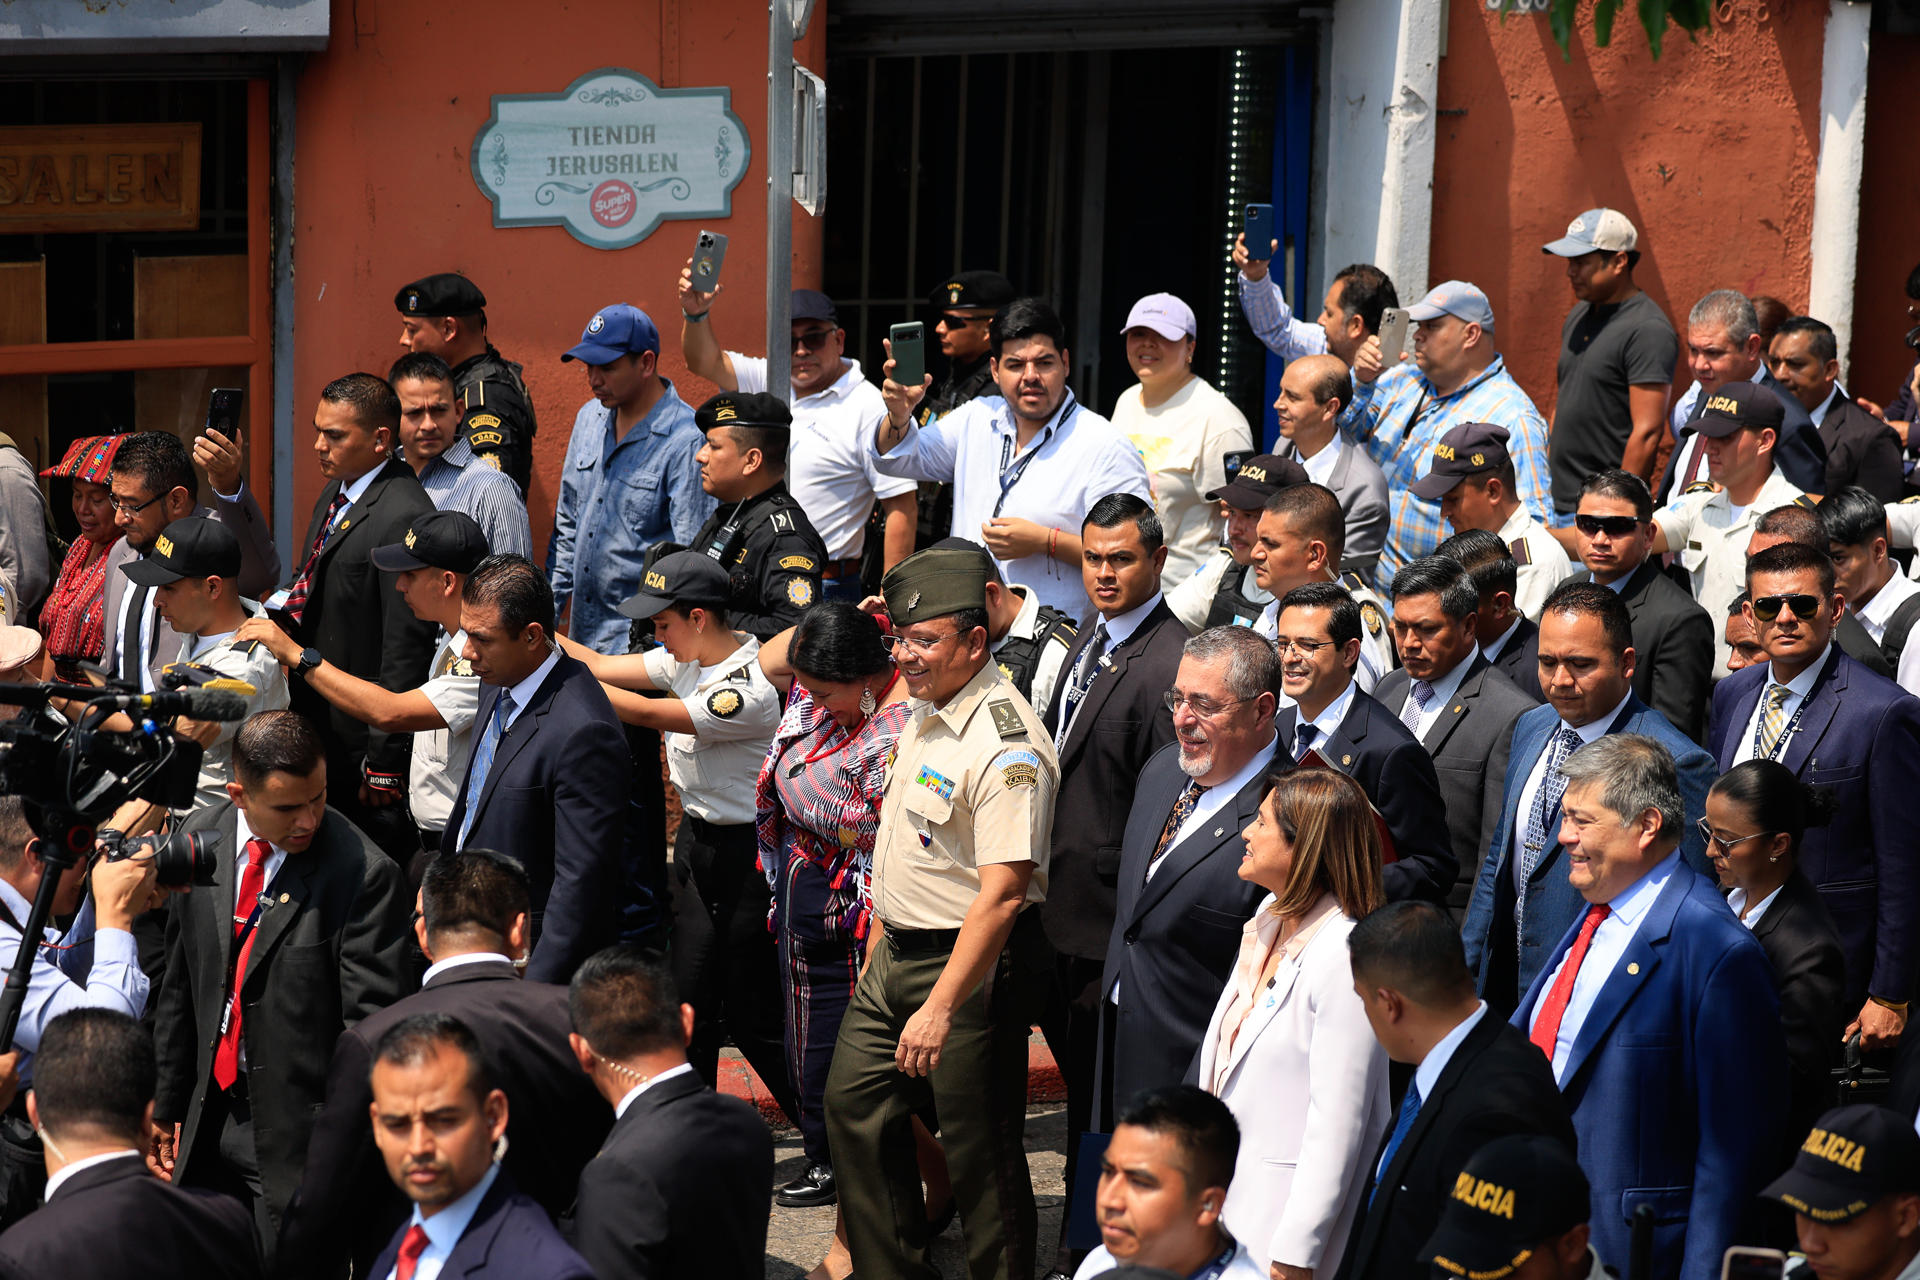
[921, 940]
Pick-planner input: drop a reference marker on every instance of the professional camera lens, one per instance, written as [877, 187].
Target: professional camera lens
[188, 857]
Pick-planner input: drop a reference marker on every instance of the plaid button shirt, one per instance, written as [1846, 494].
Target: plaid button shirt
[1399, 419]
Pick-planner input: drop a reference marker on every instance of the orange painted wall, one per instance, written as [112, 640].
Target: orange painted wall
[1710, 151]
[383, 192]
[1889, 231]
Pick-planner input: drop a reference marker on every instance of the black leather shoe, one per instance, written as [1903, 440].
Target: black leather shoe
[814, 1187]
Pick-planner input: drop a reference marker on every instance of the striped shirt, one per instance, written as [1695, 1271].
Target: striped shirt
[1273, 321]
[458, 480]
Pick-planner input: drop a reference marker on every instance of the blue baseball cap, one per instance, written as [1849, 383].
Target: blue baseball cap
[615, 331]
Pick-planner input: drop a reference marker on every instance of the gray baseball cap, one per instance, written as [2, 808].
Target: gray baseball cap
[1455, 298]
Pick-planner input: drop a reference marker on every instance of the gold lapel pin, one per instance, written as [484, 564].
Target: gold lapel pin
[286, 897]
[1633, 968]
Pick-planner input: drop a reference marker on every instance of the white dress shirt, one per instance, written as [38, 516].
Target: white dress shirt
[1327, 722]
[454, 962]
[620, 1109]
[445, 1228]
[1120, 629]
[1876, 613]
[524, 691]
[1321, 464]
[1427, 1074]
[67, 1171]
[1737, 899]
[1498, 645]
[1215, 798]
[1797, 690]
[1609, 943]
[1443, 690]
[1589, 732]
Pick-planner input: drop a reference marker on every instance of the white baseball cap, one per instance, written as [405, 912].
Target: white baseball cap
[1163, 313]
[1596, 230]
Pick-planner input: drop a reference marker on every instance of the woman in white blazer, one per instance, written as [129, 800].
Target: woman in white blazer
[1289, 1049]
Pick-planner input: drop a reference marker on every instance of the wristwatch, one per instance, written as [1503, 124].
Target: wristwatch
[309, 659]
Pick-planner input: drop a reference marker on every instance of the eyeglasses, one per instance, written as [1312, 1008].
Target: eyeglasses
[127, 509]
[1725, 843]
[813, 339]
[1305, 648]
[1612, 526]
[1205, 708]
[921, 647]
[1767, 608]
[959, 322]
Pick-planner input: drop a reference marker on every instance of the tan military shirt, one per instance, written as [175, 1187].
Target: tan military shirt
[971, 783]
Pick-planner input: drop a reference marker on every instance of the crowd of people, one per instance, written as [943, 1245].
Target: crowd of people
[1453, 842]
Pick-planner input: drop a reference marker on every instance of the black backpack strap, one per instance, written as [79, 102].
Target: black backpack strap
[1899, 626]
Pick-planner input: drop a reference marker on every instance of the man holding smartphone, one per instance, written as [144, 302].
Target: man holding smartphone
[835, 412]
[1349, 317]
[963, 304]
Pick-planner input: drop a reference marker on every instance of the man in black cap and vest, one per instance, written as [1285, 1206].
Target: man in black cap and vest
[446, 314]
[1223, 592]
[964, 303]
[759, 534]
[1855, 1194]
[956, 960]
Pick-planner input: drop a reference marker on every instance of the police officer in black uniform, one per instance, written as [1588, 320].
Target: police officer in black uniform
[446, 315]
[759, 534]
[963, 305]
[1223, 592]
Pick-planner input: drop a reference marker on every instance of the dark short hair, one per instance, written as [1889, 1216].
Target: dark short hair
[16, 833]
[1343, 624]
[368, 397]
[1367, 293]
[473, 889]
[837, 643]
[276, 742]
[1769, 313]
[1822, 344]
[158, 460]
[1026, 318]
[772, 442]
[1414, 948]
[1852, 517]
[1739, 604]
[420, 366]
[1315, 511]
[1792, 557]
[95, 1068]
[418, 1037]
[1199, 1124]
[1624, 486]
[1335, 383]
[1486, 557]
[1774, 798]
[623, 1001]
[1117, 509]
[516, 586]
[1439, 576]
[1796, 524]
[1591, 600]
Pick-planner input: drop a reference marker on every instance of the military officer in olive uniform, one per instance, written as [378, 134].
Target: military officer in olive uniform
[956, 961]
[759, 534]
[1223, 593]
[963, 306]
[446, 315]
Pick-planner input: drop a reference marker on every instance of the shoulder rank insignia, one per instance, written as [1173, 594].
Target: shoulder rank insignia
[1371, 615]
[1350, 580]
[1006, 719]
[800, 592]
[244, 646]
[1806, 501]
[783, 522]
[1020, 767]
[725, 703]
[1700, 486]
[1521, 552]
[740, 675]
[803, 563]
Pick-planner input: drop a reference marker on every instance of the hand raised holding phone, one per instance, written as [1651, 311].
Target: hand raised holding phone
[901, 400]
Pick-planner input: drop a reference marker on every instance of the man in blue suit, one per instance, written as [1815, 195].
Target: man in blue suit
[1657, 1010]
[1838, 726]
[550, 778]
[1521, 901]
[436, 1120]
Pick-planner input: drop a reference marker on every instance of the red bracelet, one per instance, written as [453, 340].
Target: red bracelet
[1053, 542]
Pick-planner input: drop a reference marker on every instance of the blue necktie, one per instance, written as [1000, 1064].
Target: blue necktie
[1303, 741]
[1409, 1108]
[483, 762]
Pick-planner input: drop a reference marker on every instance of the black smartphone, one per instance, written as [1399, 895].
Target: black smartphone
[1741, 1263]
[909, 353]
[223, 411]
[709, 251]
[1259, 229]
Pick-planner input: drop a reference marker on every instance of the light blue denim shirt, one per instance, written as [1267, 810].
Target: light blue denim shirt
[619, 497]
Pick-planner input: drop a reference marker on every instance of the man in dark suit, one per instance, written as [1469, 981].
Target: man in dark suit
[1672, 1062]
[1816, 711]
[314, 918]
[437, 1118]
[343, 609]
[106, 1215]
[1804, 357]
[1672, 635]
[1475, 1079]
[473, 928]
[1319, 643]
[1521, 901]
[683, 1186]
[1883, 598]
[1182, 903]
[1509, 640]
[1454, 702]
[1108, 718]
[550, 778]
[1799, 524]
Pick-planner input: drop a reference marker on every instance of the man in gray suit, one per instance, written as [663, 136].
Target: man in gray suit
[1460, 708]
[1313, 392]
[1180, 899]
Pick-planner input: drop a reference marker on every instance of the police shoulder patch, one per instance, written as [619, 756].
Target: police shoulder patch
[804, 564]
[483, 420]
[1020, 767]
[800, 592]
[725, 703]
[461, 667]
[1371, 615]
[486, 439]
[1908, 501]
[1006, 719]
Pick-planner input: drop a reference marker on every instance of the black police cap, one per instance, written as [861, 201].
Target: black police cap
[449, 540]
[973, 289]
[744, 409]
[190, 547]
[446, 294]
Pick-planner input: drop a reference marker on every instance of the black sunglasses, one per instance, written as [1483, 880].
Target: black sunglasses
[813, 339]
[960, 322]
[1767, 608]
[1612, 526]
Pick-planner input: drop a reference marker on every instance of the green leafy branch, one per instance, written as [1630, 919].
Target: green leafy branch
[1691, 16]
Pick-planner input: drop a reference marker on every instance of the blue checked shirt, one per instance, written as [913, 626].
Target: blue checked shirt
[458, 480]
[619, 497]
[1398, 420]
[1273, 321]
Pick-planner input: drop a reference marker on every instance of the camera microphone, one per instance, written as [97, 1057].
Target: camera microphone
[196, 704]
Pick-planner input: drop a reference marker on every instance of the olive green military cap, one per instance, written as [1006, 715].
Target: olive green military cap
[934, 583]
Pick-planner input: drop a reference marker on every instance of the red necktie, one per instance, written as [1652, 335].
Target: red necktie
[303, 581]
[412, 1245]
[1546, 1027]
[253, 878]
